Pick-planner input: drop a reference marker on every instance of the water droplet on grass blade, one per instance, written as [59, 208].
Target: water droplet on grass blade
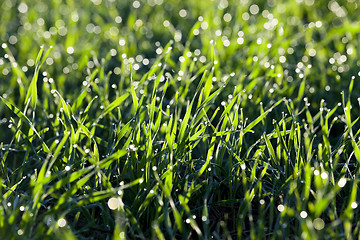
[280, 208]
[113, 203]
[342, 182]
[303, 214]
[182, 13]
[319, 224]
[354, 205]
[61, 222]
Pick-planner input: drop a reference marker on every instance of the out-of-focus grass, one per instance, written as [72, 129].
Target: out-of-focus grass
[179, 119]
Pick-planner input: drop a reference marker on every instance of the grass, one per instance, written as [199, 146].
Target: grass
[179, 119]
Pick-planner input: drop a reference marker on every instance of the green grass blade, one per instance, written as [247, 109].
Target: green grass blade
[21, 115]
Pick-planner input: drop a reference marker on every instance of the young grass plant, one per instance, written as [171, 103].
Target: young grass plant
[179, 120]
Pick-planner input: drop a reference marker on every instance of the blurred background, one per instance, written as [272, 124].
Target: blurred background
[271, 46]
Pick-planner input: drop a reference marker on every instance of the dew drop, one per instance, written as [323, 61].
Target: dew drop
[303, 214]
[113, 203]
[319, 224]
[61, 222]
[280, 208]
[20, 232]
[342, 182]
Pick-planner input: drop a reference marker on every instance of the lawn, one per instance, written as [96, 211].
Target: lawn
[179, 119]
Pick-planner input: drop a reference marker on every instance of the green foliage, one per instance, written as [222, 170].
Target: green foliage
[179, 119]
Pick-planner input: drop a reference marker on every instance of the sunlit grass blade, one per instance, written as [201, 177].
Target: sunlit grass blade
[260, 118]
[113, 105]
[184, 123]
[21, 115]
